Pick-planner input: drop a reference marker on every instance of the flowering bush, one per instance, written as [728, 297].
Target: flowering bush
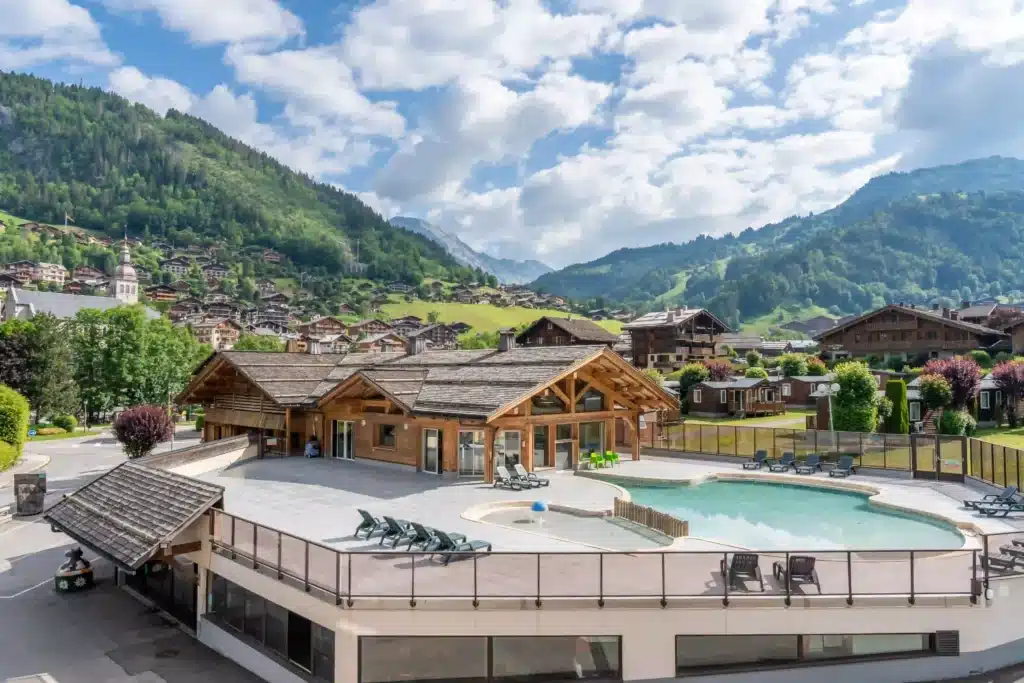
[1009, 377]
[718, 370]
[963, 375]
[141, 428]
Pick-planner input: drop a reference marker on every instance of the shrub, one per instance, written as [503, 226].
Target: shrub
[896, 364]
[728, 351]
[14, 413]
[793, 364]
[655, 374]
[884, 408]
[769, 363]
[1002, 357]
[935, 391]
[141, 428]
[963, 375]
[200, 422]
[753, 358]
[718, 370]
[1009, 377]
[957, 423]
[690, 374]
[854, 407]
[756, 373]
[66, 422]
[981, 358]
[898, 421]
[50, 431]
[816, 367]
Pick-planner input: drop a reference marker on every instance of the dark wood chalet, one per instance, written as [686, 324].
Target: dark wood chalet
[551, 331]
[906, 332]
[462, 412]
[741, 397]
[667, 340]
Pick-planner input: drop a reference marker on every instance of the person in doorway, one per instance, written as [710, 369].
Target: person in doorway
[312, 447]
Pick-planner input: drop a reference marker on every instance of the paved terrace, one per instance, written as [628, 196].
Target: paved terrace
[317, 500]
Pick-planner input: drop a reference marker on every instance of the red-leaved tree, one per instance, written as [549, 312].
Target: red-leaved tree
[1009, 377]
[718, 370]
[963, 375]
[141, 428]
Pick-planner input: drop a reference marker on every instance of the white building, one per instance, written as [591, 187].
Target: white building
[125, 284]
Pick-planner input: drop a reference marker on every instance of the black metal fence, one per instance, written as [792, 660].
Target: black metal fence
[345, 578]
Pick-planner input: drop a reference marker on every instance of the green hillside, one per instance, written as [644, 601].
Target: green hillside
[482, 317]
[115, 166]
[916, 237]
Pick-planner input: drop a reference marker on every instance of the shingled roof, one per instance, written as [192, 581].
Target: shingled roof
[127, 514]
[935, 316]
[583, 331]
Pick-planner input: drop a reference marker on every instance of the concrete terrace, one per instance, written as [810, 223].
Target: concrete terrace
[317, 500]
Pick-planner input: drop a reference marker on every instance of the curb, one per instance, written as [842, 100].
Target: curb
[30, 470]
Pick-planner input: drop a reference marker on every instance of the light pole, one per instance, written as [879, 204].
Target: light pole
[832, 389]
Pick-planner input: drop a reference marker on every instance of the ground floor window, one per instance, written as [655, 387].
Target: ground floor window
[289, 636]
[508, 449]
[541, 454]
[173, 587]
[471, 453]
[383, 659]
[591, 438]
[701, 654]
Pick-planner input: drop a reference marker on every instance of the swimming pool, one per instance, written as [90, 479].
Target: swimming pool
[769, 516]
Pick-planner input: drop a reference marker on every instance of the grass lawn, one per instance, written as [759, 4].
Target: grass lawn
[762, 325]
[67, 435]
[482, 317]
[793, 419]
[1004, 436]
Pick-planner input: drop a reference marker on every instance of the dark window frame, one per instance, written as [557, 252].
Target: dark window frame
[381, 441]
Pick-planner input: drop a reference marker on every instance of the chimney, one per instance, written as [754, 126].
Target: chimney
[506, 339]
[417, 345]
[945, 313]
[313, 346]
[670, 316]
[935, 307]
[954, 315]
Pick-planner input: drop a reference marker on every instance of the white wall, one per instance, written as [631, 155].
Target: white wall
[235, 649]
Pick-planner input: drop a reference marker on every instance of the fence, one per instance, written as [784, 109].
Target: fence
[995, 464]
[650, 518]
[344, 578]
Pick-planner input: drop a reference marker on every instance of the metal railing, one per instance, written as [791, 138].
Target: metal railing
[377, 573]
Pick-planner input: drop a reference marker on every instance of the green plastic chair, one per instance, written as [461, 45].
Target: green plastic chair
[610, 458]
[596, 460]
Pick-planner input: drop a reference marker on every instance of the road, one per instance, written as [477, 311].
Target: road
[102, 636]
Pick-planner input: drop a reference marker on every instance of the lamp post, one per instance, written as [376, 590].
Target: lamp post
[832, 389]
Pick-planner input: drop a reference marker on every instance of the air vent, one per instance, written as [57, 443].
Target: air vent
[947, 643]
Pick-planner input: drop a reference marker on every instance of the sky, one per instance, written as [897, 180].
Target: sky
[563, 129]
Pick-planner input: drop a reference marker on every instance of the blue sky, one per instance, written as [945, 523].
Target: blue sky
[562, 129]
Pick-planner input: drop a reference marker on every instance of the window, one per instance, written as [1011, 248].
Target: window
[696, 396]
[999, 398]
[700, 654]
[554, 658]
[787, 389]
[383, 659]
[385, 436]
[591, 401]
[985, 400]
[822, 387]
[544, 405]
[931, 334]
[723, 396]
[915, 411]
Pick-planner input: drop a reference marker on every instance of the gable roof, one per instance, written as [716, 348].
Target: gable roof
[675, 317]
[935, 316]
[977, 311]
[62, 305]
[737, 383]
[584, 330]
[127, 514]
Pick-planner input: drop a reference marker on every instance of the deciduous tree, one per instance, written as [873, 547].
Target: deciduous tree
[718, 370]
[141, 428]
[1009, 377]
[963, 375]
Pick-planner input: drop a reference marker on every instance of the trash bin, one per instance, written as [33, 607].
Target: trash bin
[29, 493]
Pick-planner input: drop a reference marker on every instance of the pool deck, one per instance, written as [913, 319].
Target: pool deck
[318, 500]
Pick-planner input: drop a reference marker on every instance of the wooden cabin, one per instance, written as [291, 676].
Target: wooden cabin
[462, 412]
[741, 396]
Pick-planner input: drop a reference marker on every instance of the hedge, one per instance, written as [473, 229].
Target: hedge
[14, 414]
[899, 419]
[66, 422]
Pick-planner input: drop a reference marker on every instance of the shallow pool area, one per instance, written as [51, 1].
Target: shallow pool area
[595, 532]
[775, 516]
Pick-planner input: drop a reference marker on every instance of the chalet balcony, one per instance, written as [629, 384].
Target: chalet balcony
[695, 339]
[886, 327]
[756, 408]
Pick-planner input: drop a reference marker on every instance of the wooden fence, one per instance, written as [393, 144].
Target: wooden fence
[651, 518]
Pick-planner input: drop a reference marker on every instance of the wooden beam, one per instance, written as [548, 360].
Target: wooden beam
[561, 395]
[287, 432]
[572, 392]
[610, 393]
[557, 418]
[586, 387]
[180, 549]
[489, 434]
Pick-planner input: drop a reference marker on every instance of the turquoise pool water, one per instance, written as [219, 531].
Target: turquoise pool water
[765, 516]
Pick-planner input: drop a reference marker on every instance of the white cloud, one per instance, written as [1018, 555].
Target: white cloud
[220, 21]
[40, 31]
[159, 94]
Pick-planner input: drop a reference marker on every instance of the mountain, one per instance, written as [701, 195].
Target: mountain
[508, 271]
[115, 166]
[953, 232]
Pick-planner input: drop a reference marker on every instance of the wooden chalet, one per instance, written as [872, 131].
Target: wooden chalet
[552, 331]
[462, 412]
[667, 340]
[322, 326]
[368, 327]
[741, 397]
[161, 293]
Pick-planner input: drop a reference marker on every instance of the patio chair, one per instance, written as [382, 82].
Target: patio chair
[530, 477]
[1012, 550]
[808, 466]
[596, 461]
[369, 526]
[448, 547]
[398, 530]
[844, 467]
[742, 566]
[506, 480]
[611, 458]
[783, 464]
[999, 509]
[423, 537]
[801, 569]
[757, 462]
[1007, 495]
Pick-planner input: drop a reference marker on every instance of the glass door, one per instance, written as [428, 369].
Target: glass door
[541, 456]
[471, 454]
[342, 445]
[432, 451]
[507, 450]
[591, 439]
[563, 447]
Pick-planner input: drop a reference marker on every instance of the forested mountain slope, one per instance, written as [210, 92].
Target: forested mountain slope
[114, 166]
[905, 236]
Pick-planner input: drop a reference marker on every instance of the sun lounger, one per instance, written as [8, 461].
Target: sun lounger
[757, 462]
[423, 537]
[999, 509]
[448, 547]
[506, 480]
[809, 465]
[784, 464]
[742, 566]
[1000, 563]
[529, 477]
[1007, 495]
[801, 570]
[398, 530]
[369, 526]
[844, 467]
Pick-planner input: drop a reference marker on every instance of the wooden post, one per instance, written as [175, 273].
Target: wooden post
[527, 455]
[575, 445]
[636, 434]
[489, 434]
[287, 432]
[609, 435]
[551, 443]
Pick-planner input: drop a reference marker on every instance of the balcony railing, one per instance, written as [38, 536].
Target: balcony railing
[347, 578]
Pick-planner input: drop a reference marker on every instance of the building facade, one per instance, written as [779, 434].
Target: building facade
[551, 331]
[667, 340]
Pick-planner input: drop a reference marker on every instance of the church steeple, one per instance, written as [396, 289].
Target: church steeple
[125, 284]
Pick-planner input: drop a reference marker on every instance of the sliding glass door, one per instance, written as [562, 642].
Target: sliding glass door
[343, 443]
